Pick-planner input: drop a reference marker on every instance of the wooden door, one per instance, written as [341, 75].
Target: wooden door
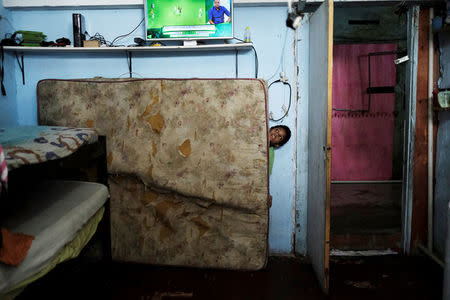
[319, 140]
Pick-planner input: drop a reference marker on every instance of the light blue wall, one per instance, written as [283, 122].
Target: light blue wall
[282, 180]
[8, 106]
[273, 43]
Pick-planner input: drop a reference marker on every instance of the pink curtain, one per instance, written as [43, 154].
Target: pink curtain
[362, 142]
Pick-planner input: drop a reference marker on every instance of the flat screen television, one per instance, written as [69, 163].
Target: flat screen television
[188, 20]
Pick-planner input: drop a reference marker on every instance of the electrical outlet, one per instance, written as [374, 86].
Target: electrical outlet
[283, 77]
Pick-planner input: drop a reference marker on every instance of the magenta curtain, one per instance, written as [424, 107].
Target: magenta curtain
[362, 142]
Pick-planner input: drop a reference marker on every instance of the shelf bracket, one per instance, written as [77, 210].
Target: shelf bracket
[237, 65]
[21, 66]
[130, 62]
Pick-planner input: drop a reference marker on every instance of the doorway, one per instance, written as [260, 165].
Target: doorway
[368, 111]
[360, 25]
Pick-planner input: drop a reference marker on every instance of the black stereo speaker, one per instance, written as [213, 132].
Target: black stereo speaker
[78, 29]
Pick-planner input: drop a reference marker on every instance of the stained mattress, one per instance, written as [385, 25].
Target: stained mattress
[187, 162]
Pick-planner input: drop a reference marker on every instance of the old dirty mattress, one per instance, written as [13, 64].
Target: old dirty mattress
[187, 164]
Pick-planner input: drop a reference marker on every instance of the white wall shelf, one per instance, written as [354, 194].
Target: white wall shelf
[20, 51]
[210, 47]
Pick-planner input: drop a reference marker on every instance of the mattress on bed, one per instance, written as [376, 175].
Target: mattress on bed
[53, 212]
[70, 250]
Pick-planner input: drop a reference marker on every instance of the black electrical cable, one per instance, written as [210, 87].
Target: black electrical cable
[124, 35]
[290, 97]
[256, 62]
[98, 37]
[256, 57]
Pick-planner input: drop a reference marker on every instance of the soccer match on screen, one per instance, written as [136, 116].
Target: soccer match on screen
[186, 19]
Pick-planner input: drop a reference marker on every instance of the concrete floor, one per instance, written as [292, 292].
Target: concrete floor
[378, 277]
[284, 278]
[366, 216]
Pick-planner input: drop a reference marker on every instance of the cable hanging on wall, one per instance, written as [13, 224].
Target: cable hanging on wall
[127, 34]
[256, 59]
[285, 82]
[281, 63]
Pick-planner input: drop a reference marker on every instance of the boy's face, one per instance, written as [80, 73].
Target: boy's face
[276, 136]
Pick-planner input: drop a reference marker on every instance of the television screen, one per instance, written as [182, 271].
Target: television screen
[188, 19]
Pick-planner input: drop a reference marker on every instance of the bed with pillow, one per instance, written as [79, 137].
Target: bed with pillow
[43, 222]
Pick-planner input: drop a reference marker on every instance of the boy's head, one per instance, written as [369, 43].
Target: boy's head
[279, 135]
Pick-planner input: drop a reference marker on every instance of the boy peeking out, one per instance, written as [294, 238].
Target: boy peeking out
[278, 136]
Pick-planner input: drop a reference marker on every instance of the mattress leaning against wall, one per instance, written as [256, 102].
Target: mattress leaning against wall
[187, 164]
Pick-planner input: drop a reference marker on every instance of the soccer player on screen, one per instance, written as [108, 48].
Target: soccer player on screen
[217, 12]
